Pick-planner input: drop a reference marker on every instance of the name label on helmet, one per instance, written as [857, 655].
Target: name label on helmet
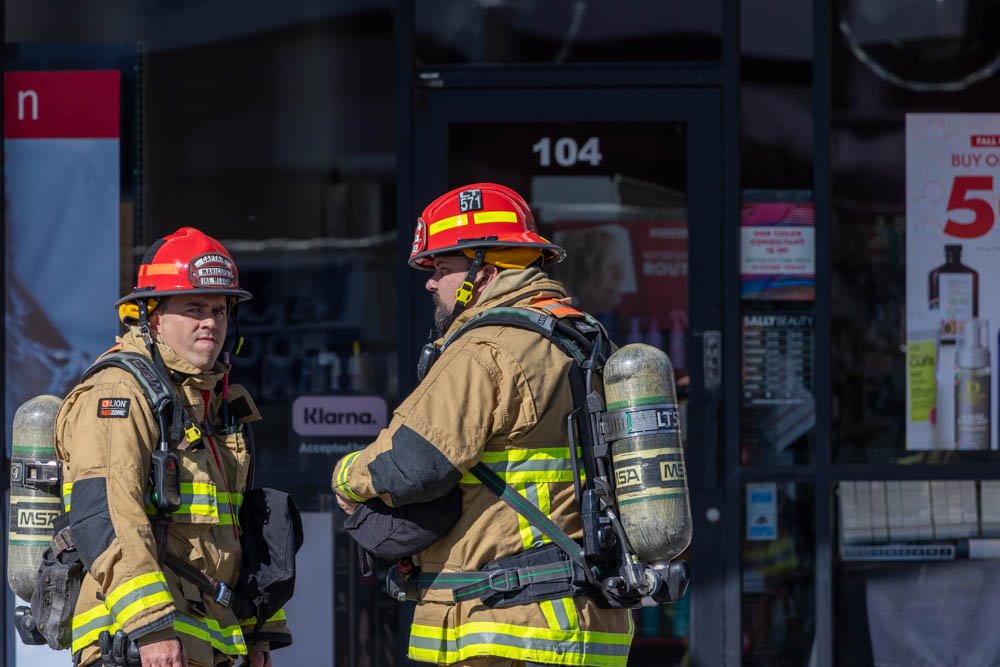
[113, 407]
[212, 270]
[470, 200]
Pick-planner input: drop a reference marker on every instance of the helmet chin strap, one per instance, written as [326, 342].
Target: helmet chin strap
[465, 292]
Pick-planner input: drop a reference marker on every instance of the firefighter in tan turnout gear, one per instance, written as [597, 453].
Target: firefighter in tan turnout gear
[107, 433]
[499, 396]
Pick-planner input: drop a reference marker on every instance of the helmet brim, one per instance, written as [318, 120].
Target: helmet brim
[551, 253]
[240, 294]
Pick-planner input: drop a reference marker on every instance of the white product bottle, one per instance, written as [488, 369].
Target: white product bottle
[972, 386]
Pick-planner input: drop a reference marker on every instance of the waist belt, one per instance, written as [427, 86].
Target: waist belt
[542, 573]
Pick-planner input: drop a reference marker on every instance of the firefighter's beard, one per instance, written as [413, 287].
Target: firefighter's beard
[442, 312]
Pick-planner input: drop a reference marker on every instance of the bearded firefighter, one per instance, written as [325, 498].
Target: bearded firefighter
[497, 395]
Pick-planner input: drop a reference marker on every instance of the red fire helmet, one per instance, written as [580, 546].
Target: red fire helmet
[476, 216]
[186, 261]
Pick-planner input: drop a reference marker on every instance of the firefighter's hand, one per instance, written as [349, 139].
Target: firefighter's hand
[166, 653]
[347, 505]
[259, 659]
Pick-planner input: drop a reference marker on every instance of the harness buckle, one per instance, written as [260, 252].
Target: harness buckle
[192, 433]
[223, 594]
[504, 581]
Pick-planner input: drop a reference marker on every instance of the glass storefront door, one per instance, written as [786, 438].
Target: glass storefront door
[629, 182]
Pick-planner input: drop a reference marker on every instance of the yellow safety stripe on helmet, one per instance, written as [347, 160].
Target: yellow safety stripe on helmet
[447, 223]
[515, 642]
[278, 616]
[137, 594]
[479, 218]
[342, 484]
[486, 217]
[67, 494]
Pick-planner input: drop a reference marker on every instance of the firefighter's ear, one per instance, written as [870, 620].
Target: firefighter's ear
[488, 273]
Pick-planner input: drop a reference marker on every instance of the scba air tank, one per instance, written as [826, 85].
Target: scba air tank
[642, 426]
[34, 491]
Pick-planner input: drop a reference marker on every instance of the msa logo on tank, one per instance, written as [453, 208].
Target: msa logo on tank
[33, 518]
[665, 469]
[212, 270]
[113, 407]
[470, 200]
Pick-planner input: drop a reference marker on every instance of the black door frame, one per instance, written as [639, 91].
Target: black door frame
[713, 556]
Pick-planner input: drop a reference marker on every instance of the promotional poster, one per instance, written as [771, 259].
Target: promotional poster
[952, 264]
[61, 151]
[62, 198]
[778, 247]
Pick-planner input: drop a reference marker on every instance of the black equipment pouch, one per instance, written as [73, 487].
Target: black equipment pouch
[395, 532]
[57, 589]
[272, 535]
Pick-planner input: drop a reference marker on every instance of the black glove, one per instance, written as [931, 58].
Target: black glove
[118, 651]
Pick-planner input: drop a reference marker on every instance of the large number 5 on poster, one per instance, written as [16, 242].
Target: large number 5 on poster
[982, 211]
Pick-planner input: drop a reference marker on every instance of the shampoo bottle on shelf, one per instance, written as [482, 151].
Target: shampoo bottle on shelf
[953, 292]
[972, 386]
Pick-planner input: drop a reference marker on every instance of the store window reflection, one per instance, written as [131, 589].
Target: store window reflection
[907, 548]
[778, 556]
[895, 348]
[566, 31]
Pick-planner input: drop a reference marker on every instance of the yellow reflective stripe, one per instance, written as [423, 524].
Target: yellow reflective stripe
[67, 494]
[229, 507]
[550, 614]
[278, 616]
[89, 625]
[483, 217]
[134, 584]
[142, 604]
[533, 454]
[342, 477]
[200, 488]
[137, 595]
[565, 647]
[448, 223]
[525, 477]
[227, 639]
[523, 525]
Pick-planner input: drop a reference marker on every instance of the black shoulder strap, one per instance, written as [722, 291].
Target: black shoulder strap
[584, 341]
[158, 390]
[574, 338]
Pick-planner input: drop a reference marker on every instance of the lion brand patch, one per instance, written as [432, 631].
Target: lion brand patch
[212, 270]
[113, 407]
[419, 237]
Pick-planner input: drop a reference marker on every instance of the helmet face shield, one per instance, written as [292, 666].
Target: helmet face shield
[480, 215]
[184, 262]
